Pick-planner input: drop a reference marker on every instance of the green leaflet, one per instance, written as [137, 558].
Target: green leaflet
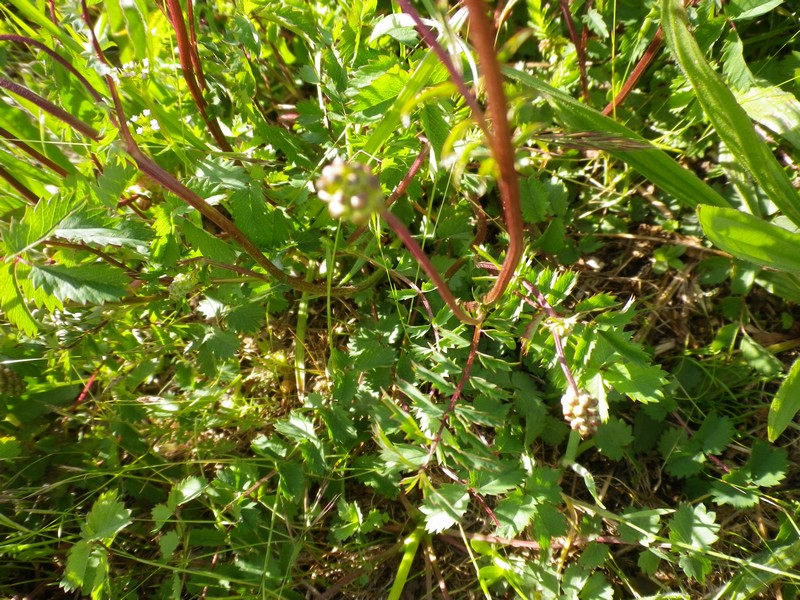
[728, 118]
[750, 238]
[785, 405]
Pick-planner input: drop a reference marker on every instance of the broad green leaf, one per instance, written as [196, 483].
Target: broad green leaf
[785, 405]
[729, 119]
[740, 10]
[444, 506]
[696, 566]
[774, 108]
[652, 163]
[106, 519]
[85, 284]
[750, 238]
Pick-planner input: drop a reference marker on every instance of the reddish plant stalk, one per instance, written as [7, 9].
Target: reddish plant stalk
[579, 41]
[32, 152]
[51, 108]
[420, 256]
[189, 74]
[19, 39]
[19, 186]
[636, 74]
[455, 76]
[198, 66]
[473, 351]
[482, 34]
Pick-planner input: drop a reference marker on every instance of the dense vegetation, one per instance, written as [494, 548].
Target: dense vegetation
[365, 299]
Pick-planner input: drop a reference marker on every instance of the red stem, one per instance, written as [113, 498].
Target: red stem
[32, 152]
[579, 41]
[637, 72]
[51, 108]
[476, 336]
[19, 39]
[420, 256]
[482, 33]
[19, 186]
[189, 75]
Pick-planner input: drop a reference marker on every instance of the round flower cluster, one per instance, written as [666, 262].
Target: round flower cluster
[11, 384]
[581, 412]
[182, 284]
[351, 190]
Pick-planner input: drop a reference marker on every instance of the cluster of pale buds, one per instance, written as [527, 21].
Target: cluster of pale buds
[581, 412]
[351, 190]
[182, 284]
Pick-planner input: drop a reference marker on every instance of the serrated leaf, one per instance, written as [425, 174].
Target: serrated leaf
[786, 404]
[612, 437]
[208, 245]
[107, 518]
[514, 513]
[695, 566]
[12, 303]
[444, 506]
[39, 222]
[767, 466]
[94, 228]
[186, 490]
[693, 527]
[495, 482]
[85, 284]
[161, 513]
[268, 227]
[714, 434]
[167, 544]
[640, 526]
[726, 492]
[639, 382]
[77, 564]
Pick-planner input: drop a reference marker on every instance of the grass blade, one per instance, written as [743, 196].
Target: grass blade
[654, 164]
[728, 118]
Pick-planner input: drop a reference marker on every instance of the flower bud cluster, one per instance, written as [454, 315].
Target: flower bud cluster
[182, 284]
[581, 412]
[11, 384]
[351, 190]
